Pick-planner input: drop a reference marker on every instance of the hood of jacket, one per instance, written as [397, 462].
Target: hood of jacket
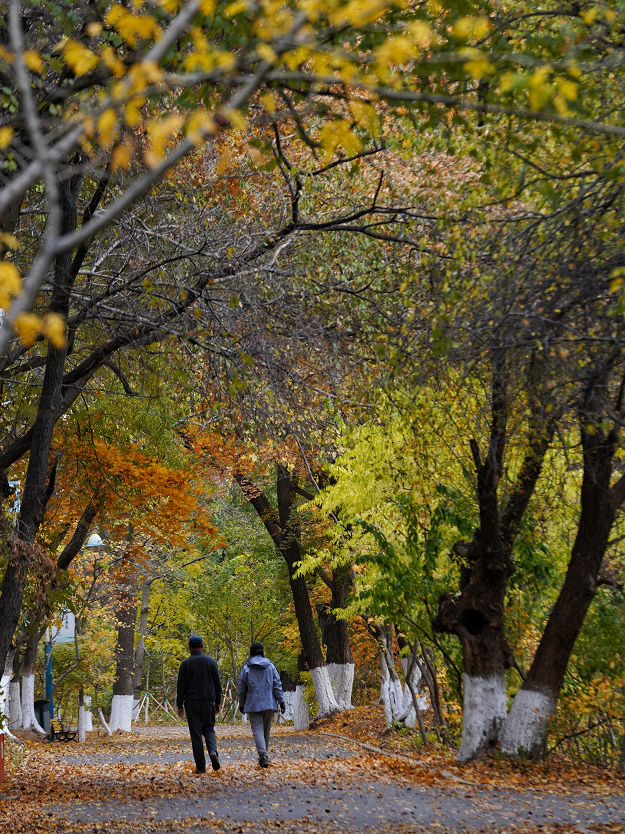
[259, 660]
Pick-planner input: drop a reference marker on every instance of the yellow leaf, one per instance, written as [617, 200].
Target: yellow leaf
[121, 157]
[590, 15]
[421, 33]
[53, 327]
[112, 62]
[236, 8]
[471, 27]
[33, 61]
[269, 102]
[6, 134]
[28, 328]
[395, 51]
[567, 88]
[78, 58]
[200, 125]
[10, 278]
[538, 78]
[339, 133]
[10, 283]
[266, 53]
[9, 241]
[107, 127]
[161, 132]
[223, 163]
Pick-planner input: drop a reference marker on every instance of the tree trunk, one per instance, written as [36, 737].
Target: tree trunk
[391, 691]
[140, 650]
[525, 730]
[5, 677]
[476, 617]
[81, 715]
[48, 411]
[29, 719]
[15, 689]
[15, 704]
[335, 637]
[121, 710]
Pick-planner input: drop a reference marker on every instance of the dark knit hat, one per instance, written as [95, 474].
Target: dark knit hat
[195, 642]
[255, 649]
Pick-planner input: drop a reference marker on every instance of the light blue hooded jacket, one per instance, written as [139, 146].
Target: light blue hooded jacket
[259, 686]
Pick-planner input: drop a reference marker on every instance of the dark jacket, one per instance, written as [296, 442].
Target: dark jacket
[198, 680]
[259, 686]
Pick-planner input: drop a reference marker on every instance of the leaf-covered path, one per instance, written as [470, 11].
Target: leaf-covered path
[317, 783]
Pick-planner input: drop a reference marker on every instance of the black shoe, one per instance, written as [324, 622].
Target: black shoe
[214, 761]
[263, 761]
[200, 770]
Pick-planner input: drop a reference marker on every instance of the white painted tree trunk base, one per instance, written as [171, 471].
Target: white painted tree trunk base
[485, 705]
[29, 719]
[324, 692]
[4, 709]
[301, 714]
[525, 730]
[409, 715]
[4, 700]
[15, 705]
[289, 703]
[342, 680]
[121, 713]
[392, 697]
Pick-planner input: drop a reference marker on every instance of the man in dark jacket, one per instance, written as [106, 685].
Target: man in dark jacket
[260, 693]
[199, 694]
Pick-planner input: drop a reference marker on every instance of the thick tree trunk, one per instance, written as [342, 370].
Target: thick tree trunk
[335, 637]
[126, 613]
[476, 617]
[526, 728]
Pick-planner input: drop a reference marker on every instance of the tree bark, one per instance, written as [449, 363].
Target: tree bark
[476, 614]
[126, 614]
[48, 411]
[142, 631]
[29, 719]
[526, 728]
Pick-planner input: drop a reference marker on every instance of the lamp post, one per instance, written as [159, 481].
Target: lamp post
[94, 540]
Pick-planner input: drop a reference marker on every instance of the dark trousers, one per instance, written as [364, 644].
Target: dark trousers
[201, 721]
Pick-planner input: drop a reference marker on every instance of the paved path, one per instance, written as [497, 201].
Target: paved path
[315, 783]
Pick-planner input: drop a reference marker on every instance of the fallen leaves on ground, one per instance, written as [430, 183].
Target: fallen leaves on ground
[368, 725]
[44, 777]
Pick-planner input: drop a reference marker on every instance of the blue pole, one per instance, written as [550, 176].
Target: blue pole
[49, 689]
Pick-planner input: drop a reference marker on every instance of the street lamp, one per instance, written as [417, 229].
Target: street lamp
[94, 540]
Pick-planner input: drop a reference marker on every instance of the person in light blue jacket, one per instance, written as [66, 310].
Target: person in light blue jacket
[260, 695]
